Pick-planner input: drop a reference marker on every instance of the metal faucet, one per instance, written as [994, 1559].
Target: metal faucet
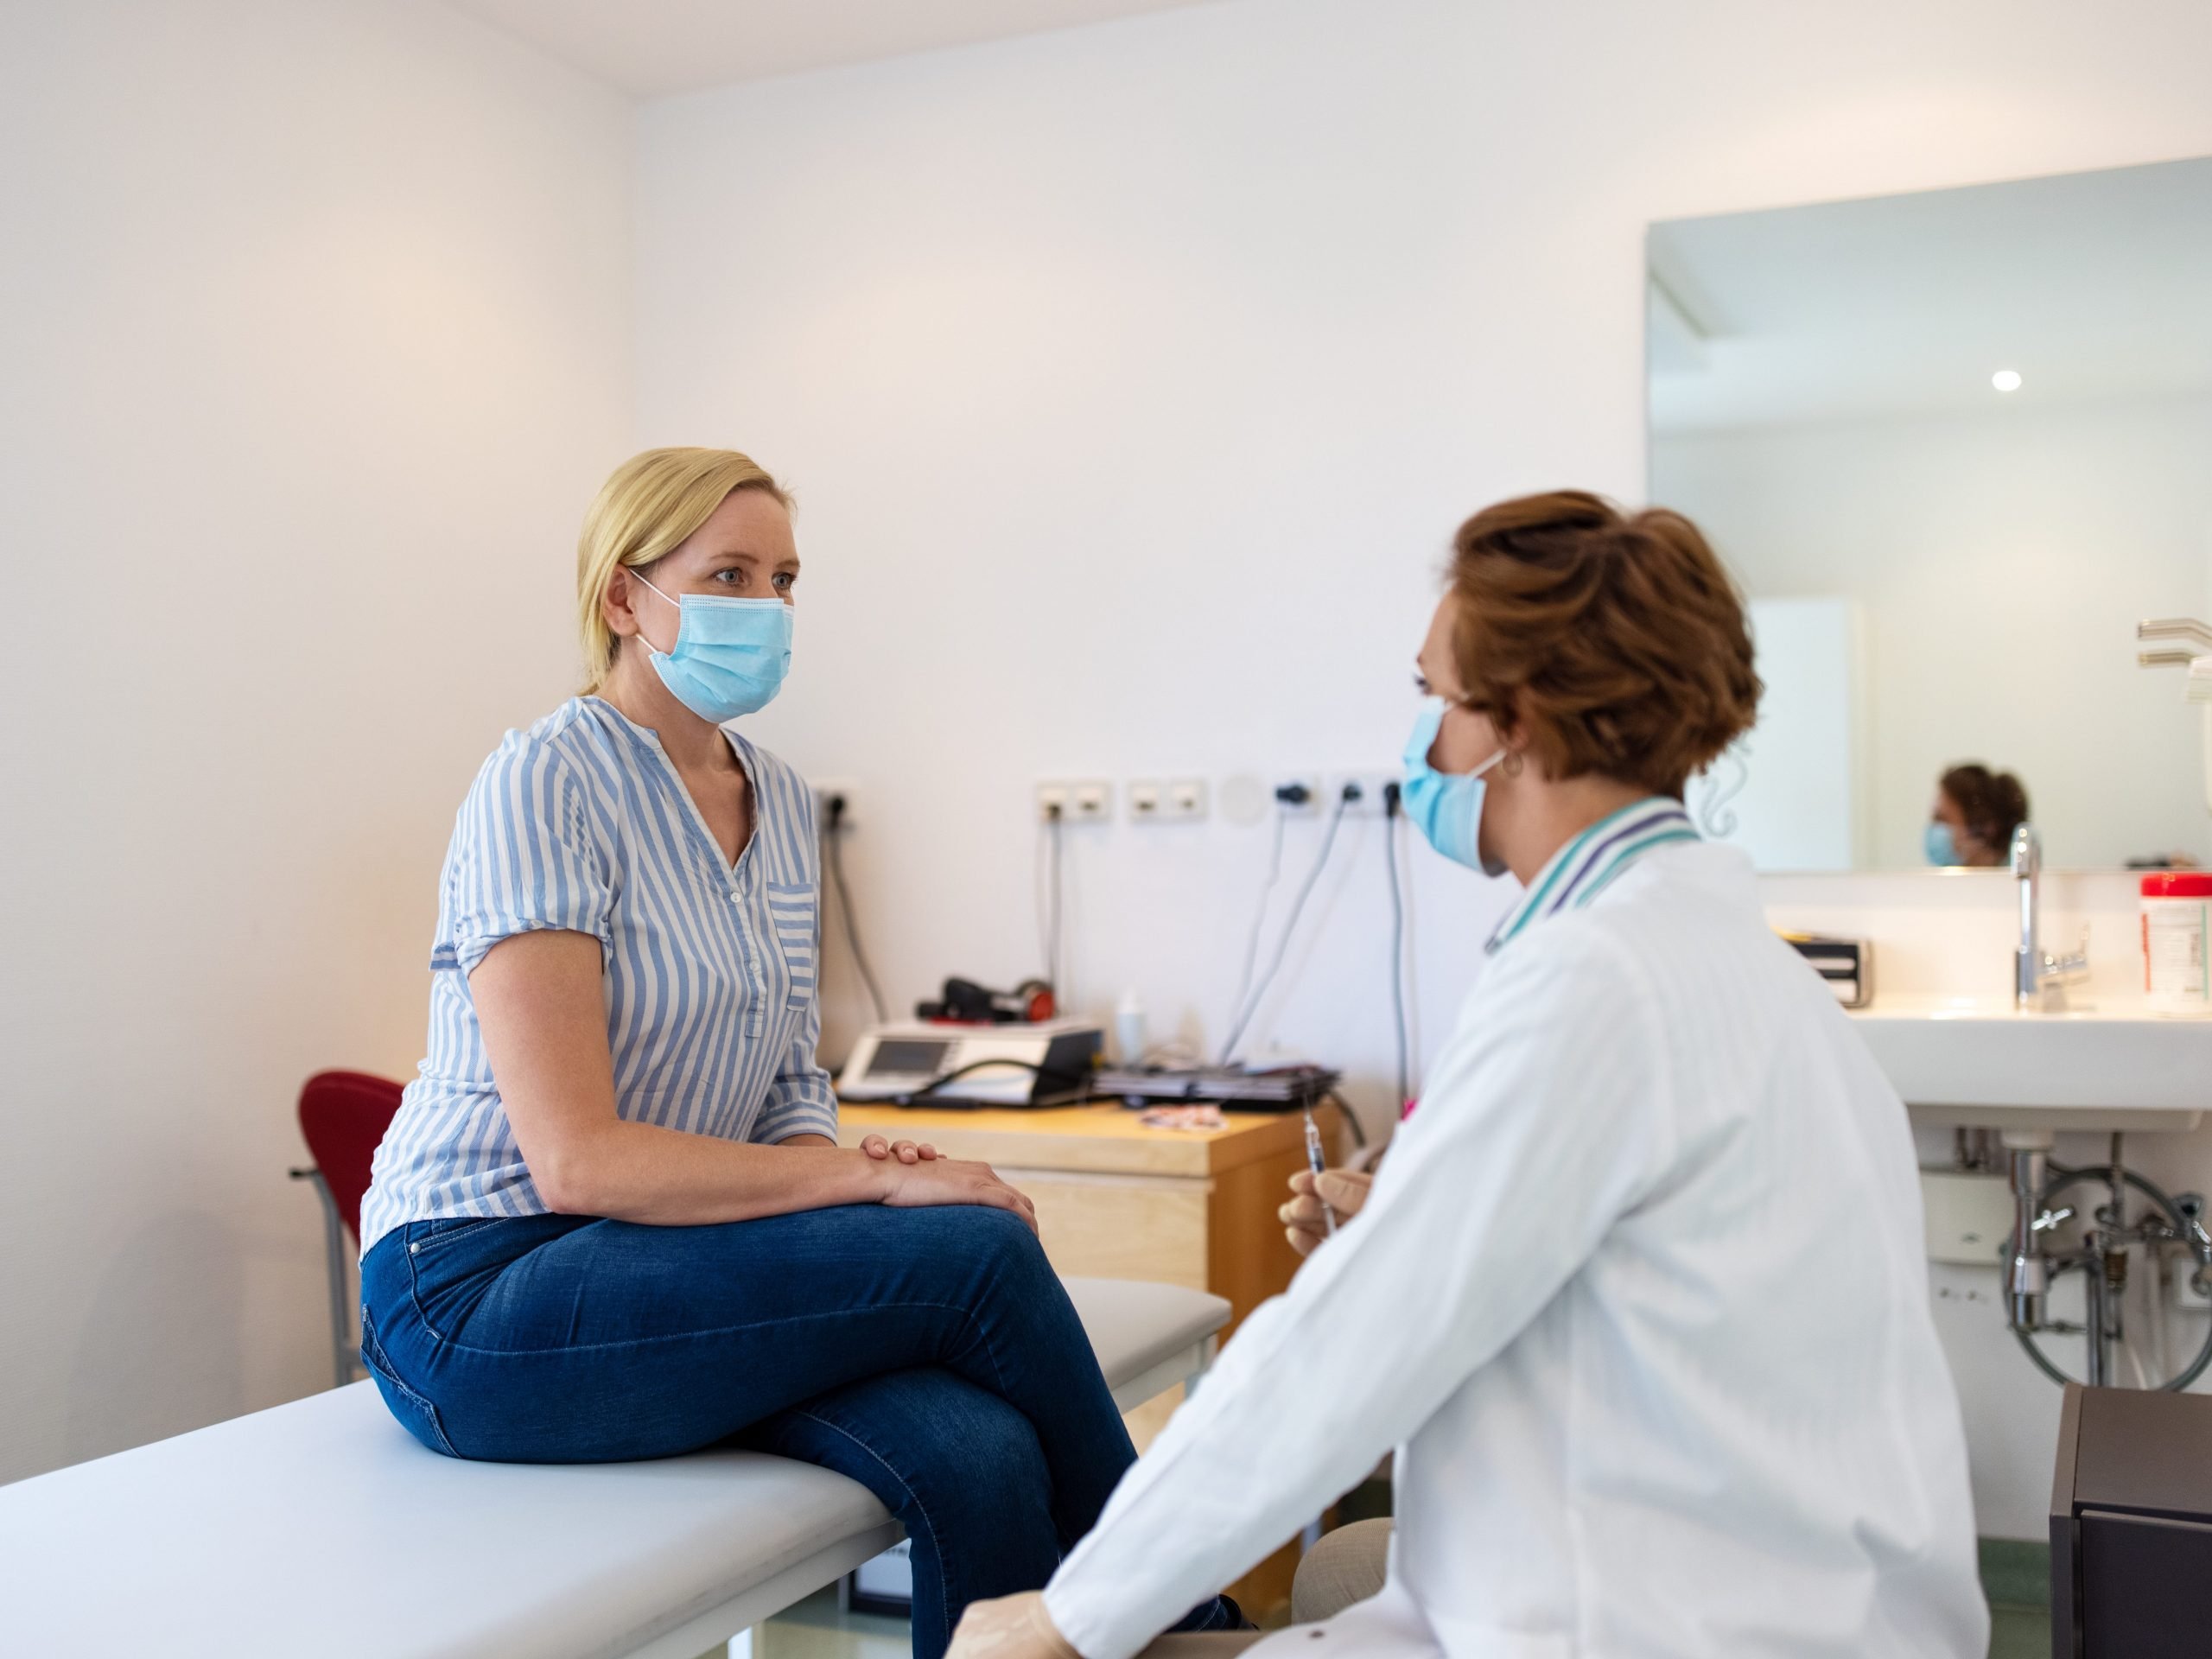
[2039, 980]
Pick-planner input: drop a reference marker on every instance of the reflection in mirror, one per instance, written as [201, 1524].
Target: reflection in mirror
[1956, 446]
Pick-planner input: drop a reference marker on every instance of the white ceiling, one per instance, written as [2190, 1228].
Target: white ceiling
[2093, 286]
[650, 48]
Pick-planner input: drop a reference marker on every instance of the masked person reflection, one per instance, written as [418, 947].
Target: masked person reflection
[1638, 1291]
[610, 1220]
[1975, 813]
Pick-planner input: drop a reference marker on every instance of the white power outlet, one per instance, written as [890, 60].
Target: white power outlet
[1083, 801]
[1307, 806]
[1147, 800]
[1186, 799]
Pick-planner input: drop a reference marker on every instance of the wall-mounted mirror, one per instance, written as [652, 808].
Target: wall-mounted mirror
[1955, 445]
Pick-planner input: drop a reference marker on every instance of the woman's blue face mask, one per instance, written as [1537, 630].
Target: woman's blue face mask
[731, 655]
[1446, 806]
[1940, 845]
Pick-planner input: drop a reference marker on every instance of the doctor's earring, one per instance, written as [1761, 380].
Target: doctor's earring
[1512, 765]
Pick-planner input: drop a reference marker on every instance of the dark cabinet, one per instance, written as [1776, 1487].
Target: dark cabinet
[2131, 1526]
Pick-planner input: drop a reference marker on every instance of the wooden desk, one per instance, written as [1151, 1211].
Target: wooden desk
[1117, 1200]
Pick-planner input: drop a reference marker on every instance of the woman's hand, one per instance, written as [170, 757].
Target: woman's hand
[1343, 1189]
[907, 1152]
[951, 1180]
[1013, 1627]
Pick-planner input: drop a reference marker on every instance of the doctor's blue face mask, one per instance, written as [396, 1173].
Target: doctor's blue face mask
[1940, 845]
[731, 654]
[1446, 806]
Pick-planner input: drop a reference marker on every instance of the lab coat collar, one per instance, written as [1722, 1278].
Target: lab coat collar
[1590, 862]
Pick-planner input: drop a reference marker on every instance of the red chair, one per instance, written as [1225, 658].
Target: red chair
[343, 1115]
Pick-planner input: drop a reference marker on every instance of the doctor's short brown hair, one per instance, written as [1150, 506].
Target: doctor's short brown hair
[1616, 641]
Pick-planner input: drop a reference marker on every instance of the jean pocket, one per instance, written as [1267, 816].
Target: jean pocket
[421, 1234]
[415, 1414]
[796, 911]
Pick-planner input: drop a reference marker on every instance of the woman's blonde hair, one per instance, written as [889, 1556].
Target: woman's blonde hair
[643, 511]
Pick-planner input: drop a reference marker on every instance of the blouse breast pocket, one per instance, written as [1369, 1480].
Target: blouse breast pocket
[795, 911]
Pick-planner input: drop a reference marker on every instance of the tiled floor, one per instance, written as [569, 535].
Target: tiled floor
[814, 1629]
[2016, 1577]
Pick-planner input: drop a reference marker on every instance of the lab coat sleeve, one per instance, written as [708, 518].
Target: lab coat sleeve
[1545, 1119]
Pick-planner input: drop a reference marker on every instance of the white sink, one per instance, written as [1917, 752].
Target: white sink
[2103, 1064]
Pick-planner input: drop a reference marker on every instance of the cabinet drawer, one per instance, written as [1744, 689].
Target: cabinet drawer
[1121, 1227]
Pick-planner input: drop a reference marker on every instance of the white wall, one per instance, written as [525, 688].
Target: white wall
[314, 319]
[2002, 561]
[1134, 378]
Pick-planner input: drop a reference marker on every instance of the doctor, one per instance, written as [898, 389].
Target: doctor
[1639, 1293]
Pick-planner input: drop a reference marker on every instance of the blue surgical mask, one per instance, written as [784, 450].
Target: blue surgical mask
[1940, 845]
[731, 654]
[1446, 806]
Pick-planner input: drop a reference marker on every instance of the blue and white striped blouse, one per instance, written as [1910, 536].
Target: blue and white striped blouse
[581, 823]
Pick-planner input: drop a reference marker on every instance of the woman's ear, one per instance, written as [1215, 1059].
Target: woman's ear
[618, 606]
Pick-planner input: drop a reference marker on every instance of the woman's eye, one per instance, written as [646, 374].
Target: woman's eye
[784, 581]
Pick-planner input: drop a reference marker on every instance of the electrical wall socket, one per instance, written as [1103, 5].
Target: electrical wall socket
[1369, 785]
[1310, 807]
[828, 789]
[1087, 800]
[1179, 800]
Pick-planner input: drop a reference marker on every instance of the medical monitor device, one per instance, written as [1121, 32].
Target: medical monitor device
[1048, 1063]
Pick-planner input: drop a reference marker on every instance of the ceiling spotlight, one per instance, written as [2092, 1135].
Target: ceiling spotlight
[2005, 379]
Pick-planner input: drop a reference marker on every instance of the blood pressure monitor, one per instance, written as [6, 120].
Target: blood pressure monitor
[1047, 1063]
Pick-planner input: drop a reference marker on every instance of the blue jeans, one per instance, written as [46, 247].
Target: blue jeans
[929, 1354]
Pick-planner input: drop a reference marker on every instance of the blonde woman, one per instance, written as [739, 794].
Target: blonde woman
[610, 1220]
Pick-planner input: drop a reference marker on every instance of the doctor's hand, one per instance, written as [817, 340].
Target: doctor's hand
[948, 1180]
[907, 1152]
[1345, 1190]
[1013, 1627]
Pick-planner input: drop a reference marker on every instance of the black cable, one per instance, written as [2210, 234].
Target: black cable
[834, 844]
[1390, 792]
[958, 1071]
[1350, 1118]
[1290, 929]
[1259, 912]
[1054, 823]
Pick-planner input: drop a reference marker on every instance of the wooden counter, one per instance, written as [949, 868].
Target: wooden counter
[1115, 1199]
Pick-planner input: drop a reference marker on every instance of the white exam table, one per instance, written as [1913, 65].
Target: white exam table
[321, 1528]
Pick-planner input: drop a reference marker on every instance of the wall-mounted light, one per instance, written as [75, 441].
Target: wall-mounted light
[2005, 379]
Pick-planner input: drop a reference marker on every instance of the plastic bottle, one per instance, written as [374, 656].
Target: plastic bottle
[1128, 1028]
[2178, 941]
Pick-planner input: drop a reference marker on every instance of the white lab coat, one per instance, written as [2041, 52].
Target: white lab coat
[1640, 1297]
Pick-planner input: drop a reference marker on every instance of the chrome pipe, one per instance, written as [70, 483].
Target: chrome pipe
[2026, 860]
[2026, 1278]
